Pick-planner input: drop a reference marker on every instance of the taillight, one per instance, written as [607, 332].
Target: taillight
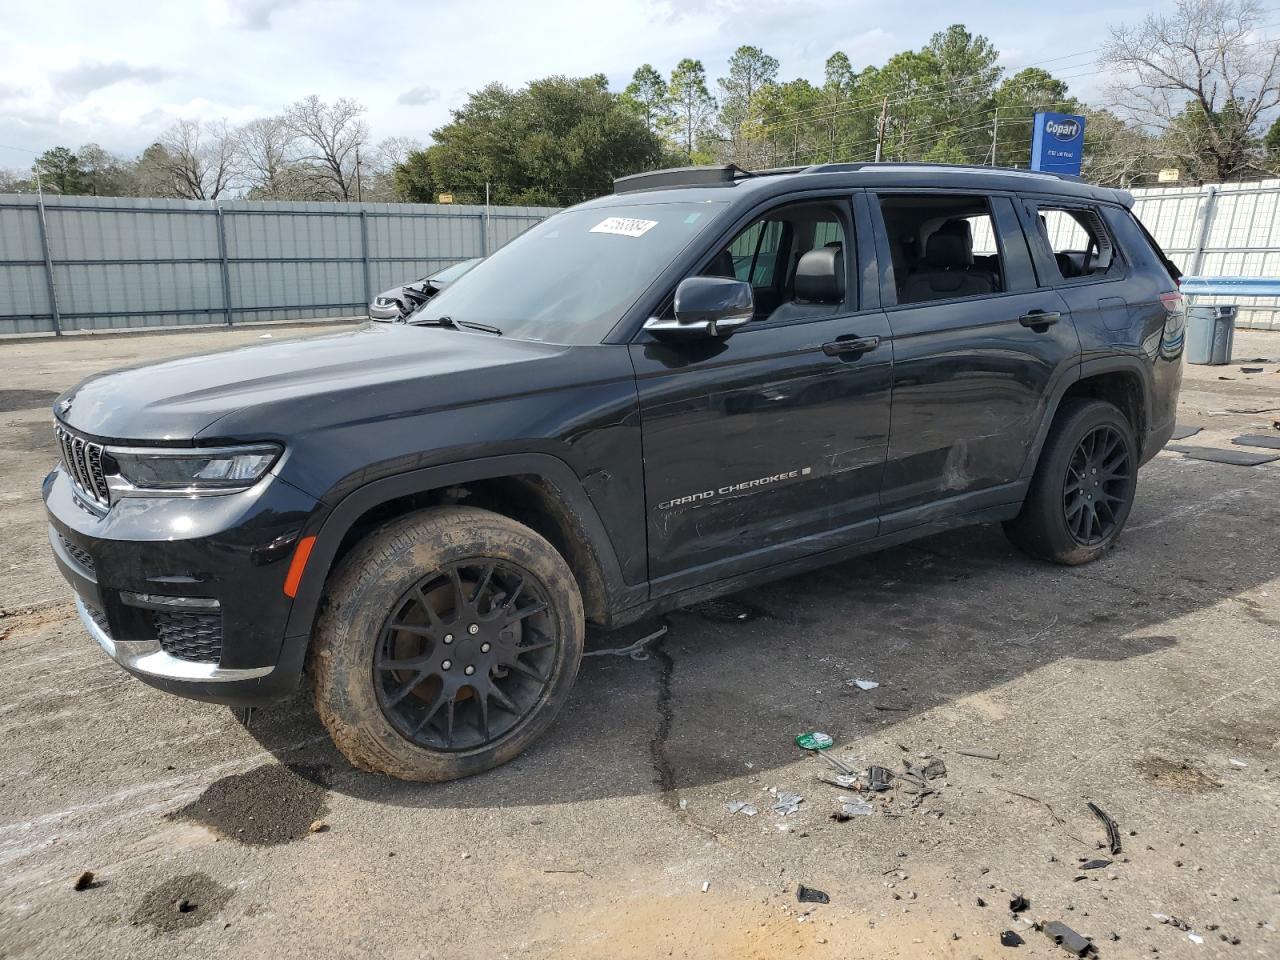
[1172, 301]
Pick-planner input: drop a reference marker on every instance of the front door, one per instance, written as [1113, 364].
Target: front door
[770, 444]
[977, 347]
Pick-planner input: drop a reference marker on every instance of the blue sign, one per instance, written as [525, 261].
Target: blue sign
[1057, 143]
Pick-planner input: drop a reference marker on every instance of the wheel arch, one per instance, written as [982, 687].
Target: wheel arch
[538, 490]
[1122, 380]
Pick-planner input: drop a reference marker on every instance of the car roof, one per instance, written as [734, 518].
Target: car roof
[732, 184]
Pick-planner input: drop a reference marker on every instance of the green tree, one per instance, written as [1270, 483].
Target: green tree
[60, 171]
[750, 69]
[1271, 143]
[646, 96]
[559, 140]
[413, 178]
[691, 104]
[1015, 104]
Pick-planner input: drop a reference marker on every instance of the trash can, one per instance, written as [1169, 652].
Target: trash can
[1210, 333]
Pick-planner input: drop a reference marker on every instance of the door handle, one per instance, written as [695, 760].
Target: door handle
[850, 345]
[1040, 320]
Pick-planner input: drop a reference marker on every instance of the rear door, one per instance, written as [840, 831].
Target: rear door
[770, 444]
[972, 373]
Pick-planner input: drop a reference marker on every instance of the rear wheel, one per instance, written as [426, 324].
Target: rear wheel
[451, 639]
[1083, 487]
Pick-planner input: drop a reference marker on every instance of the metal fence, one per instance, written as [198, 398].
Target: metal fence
[112, 263]
[1220, 230]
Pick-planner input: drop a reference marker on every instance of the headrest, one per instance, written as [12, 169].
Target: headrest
[950, 246]
[820, 276]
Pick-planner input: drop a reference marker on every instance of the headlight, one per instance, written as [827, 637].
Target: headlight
[215, 470]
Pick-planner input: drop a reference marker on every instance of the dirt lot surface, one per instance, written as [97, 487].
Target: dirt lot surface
[1146, 683]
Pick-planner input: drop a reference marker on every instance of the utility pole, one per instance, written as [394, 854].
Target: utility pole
[359, 191]
[995, 127]
[884, 119]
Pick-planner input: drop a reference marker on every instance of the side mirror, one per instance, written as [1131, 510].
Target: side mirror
[706, 307]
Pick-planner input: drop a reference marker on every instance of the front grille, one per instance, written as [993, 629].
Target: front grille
[82, 459]
[190, 635]
[78, 554]
[98, 617]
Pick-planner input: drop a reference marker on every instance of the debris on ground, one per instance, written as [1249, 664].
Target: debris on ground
[785, 804]
[814, 740]
[1172, 921]
[742, 807]
[980, 753]
[1257, 440]
[1010, 939]
[879, 778]
[636, 651]
[1250, 369]
[845, 781]
[1113, 830]
[863, 684]
[85, 882]
[318, 826]
[810, 895]
[1095, 864]
[1238, 458]
[1018, 903]
[1068, 939]
[1237, 763]
[706, 885]
[852, 807]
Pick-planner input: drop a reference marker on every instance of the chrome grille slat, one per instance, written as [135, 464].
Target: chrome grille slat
[82, 459]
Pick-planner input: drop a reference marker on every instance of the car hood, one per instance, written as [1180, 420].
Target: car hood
[268, 389]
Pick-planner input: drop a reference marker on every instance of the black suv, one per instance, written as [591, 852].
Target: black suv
[708, 379]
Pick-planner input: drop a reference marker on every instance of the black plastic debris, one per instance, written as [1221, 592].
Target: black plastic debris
[1019, 903]
[1250, 369]
[1113, 830]
[1011, 939]
[1182, 431]
[981, 902]
[878, 778]
[980, 753]
[1257, 440]
[810, 895]
[935, 768]
[1238, 458]
[1068, 939]
[1095, 864]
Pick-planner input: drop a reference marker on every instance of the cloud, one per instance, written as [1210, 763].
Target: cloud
[418, 96]
[91, 75]
[256, 14]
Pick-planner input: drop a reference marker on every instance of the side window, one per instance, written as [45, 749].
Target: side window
[943, 247]
[773, 254]
[1078, 240]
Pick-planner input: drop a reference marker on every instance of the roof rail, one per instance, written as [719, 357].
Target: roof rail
[940, 167]
[719, 176]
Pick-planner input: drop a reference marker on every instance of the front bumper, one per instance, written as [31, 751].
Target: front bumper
[187, 593]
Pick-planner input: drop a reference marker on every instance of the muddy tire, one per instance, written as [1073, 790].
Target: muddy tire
[449, 642]
[1083, 487]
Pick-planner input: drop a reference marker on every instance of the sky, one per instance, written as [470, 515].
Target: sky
[77, 71]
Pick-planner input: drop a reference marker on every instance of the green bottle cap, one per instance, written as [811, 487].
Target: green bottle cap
[813, 740]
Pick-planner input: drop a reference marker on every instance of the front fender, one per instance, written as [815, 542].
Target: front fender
[330, 529]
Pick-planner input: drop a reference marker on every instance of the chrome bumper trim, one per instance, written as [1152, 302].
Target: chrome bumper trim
[148, 658]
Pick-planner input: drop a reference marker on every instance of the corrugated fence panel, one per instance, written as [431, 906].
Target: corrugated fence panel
[1242, 238]
[128, 263]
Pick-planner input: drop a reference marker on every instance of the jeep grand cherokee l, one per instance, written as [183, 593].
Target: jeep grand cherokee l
[708, 379]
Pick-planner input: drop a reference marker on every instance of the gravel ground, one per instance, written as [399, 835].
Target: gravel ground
[1146, 683]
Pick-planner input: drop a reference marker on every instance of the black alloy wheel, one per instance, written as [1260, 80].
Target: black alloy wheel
[466, 655]
[1097, 486]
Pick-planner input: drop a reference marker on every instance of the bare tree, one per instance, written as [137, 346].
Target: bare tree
[264, 146]
[200, 159]
[1200, 77]
[328, 137]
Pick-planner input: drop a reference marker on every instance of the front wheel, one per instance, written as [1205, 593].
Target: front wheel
[451, 639]
[1083, 487]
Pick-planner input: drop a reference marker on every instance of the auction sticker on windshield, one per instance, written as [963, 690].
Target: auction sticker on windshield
[624, 226]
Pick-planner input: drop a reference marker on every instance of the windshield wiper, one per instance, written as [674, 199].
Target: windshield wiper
[453, 324]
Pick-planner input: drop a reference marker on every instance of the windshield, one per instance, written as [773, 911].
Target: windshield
[570, 279]
[449, 274]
